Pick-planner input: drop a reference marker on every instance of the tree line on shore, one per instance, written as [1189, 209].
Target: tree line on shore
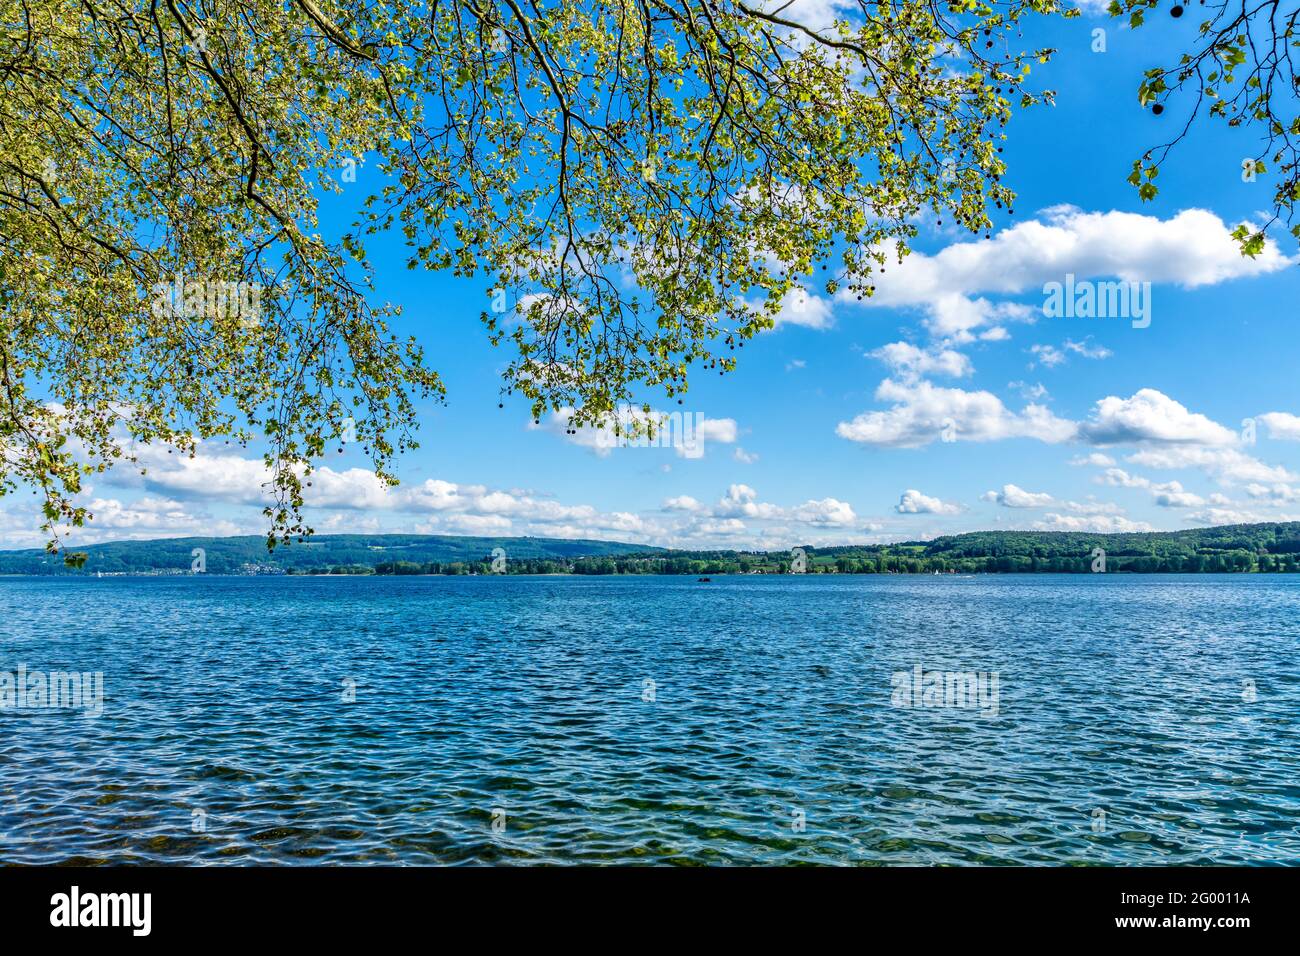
[1260, 548]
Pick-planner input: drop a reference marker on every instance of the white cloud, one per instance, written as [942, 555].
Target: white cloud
[687, 433]
[1282, 425]
[1097, 523]
[682, 503]
[799, 307]
[923, 413]
[1275, 492]
[1168, 494]
[209, 475]
[150, 517]
[1172, 495]
[744, 457]
[1093, 507]
[1096, 459]
[1051, 356]
[1193, 248]
[1047, 355]
[1119, 478]
[910, 362]
[1087, 350]
[741, 501]
[1012, 496]
[1150, 416]
[726, 527]
[1222, 516]
[827, 512]
[1226, 465]
[1032, 393]
[913, 502]
[478, 524]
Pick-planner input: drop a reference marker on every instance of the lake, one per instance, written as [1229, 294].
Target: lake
[824, 719]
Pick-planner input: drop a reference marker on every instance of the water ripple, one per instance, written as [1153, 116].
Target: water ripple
[1139, 720]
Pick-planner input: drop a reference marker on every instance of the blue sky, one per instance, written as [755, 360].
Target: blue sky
[833, 428]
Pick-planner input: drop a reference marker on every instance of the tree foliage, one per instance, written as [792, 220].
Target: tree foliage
[641, 182]
[1238, 68]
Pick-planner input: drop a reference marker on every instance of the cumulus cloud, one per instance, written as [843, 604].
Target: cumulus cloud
[1222, 516]
[952, 287]
[1051, 356]
[1119, 478]
[1086, 349]
[828, 512]
[740, 513]
[478, 524]
[1046, 355]
[1150, 416]
[1012, 496]
[1096, 459]
[1167, 494]
[1097, 523]
[1274, 492]
[799, 307]
[687, 433]
[1167, 435]
[923, 413]
[913, 502]
[1282, 425]
[1172, 495]
[682, 503]
[1093, 507]
[1228, 465]
[911, 362]
[741, 501]
[153, 517]
[354, 499]
[1032, 393]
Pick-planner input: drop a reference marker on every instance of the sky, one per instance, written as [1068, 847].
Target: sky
[956, 399]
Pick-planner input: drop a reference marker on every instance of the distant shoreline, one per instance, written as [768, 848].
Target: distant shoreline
[635, 574]
[1269, 548]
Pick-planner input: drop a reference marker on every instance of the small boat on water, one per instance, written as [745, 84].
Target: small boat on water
[704, 580]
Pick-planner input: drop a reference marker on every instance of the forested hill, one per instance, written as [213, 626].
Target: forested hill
[1240, 547]
[1230, 548]
[351, 553]
[1272, 547]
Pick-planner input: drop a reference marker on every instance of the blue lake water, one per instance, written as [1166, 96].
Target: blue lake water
[754, 720]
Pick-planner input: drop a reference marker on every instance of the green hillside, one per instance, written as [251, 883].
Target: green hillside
[324, 552]
[1263, 548]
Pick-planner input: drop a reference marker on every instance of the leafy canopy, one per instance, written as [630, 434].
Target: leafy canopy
[638, 184]
[1239, 68]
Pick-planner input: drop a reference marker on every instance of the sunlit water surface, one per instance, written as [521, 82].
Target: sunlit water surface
[1140, 720]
